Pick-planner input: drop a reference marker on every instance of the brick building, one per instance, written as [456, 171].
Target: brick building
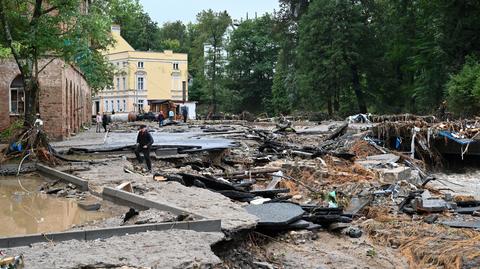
[64, 103]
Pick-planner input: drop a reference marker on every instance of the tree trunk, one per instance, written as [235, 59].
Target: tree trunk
[214, 77]
[32, 89]
[336, 101]
[358, 90]
[329, 106]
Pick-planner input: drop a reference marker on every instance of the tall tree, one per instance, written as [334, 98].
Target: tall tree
[173, 36]
[335, 41]
[138, 29]
[212, 27]
[37, 31]
[252, 54]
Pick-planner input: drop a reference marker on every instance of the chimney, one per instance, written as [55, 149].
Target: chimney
[116, 28]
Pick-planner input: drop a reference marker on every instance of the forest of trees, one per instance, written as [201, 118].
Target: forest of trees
[337, 56]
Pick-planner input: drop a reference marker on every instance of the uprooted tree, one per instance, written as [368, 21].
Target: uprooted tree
[35, 33]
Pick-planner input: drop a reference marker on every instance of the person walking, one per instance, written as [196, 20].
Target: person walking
[161, 118]
[185, 113]
[105, 121]
[99, 123]
[144, 144]
[171, 114]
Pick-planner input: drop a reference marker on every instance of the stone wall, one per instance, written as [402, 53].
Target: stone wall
[64, 102]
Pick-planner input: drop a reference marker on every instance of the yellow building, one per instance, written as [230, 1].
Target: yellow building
[142, 77]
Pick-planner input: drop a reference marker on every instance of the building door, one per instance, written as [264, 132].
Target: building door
[97, 107]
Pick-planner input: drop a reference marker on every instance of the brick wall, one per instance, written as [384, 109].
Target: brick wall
[64, 100]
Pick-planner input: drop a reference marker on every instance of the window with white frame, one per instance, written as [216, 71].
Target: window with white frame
[111, 102]
[124, 83]
[140, 105]
[175, 66]
[140, 64]
[106, 106]
[118, 84]
[124, 105]
[118, 105]
[17, 96]
[140, 83]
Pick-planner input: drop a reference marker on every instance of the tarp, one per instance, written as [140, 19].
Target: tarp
[462, 141]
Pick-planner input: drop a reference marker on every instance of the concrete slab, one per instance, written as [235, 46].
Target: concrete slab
[463, 224]
[192, 140]
[165, 249]
[393, 175]
[275, 214]
[203, 202]
[52, 172]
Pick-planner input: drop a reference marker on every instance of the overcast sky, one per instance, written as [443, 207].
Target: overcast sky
[186, 10]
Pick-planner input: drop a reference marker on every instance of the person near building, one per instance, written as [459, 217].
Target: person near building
[144, 144]
[185, 113]
[171, 114]
[99, 123]
[105, 121]
[161, 118]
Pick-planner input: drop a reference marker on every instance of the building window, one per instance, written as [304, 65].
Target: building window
[124, 105]
[118, 84]
[140, 64]
[140, 105]
[140, 83]
[118, 105]
[175, 66]
[124, 64]
[106, 106]
[111, 102]
[124, 83]
[17, 96]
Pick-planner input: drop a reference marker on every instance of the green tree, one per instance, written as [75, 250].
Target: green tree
[334, 47]
[252, 54]
[463, 90]
[174, 36]
[137, 27]
[35, 32]
[212, 27]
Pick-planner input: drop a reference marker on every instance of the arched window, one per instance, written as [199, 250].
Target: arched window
[17, 96]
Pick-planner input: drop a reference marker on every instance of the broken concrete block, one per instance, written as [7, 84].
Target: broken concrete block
[393, 175]
[384, 158]
[431, 205]
[463, 224]
[276, 215]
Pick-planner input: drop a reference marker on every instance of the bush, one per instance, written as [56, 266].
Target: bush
[463, 90]
[7, 134]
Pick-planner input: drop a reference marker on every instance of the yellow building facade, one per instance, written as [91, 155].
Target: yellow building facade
[142, 77]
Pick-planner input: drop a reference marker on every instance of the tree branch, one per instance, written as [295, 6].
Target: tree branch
[48, 10]
[45, 66]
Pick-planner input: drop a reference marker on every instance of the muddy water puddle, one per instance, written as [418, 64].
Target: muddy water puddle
[27, 211]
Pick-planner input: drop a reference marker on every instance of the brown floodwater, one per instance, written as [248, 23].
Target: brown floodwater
[23, 212]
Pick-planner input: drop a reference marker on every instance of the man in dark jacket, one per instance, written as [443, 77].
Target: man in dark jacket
[144, 144]
[105, 121]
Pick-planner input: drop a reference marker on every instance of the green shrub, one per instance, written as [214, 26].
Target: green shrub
[463, 90]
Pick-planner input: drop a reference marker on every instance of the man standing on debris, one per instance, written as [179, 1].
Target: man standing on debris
[144, 143]
[99, 122]
[105, 121]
